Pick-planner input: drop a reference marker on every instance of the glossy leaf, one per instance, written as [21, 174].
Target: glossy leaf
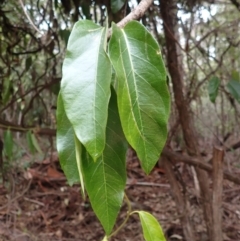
[213, 86]
[116, 5]
[86, 83]
[78, 149]
[152, 231]
[143, 97]
[8, 143]
[234, 88]
[66, 144]
[105, 179]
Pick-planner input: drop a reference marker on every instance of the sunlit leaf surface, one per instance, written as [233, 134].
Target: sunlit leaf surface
[85, 85]
[143, 97]
[152, 231]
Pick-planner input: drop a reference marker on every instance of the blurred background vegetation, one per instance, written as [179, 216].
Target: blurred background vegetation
[33, 40]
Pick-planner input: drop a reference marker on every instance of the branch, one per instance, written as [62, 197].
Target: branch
[236, 4]
[181, 201]
[218, 154]
[136, 14]
[29, 19]
[166, 152]
[197, 163]
[234, 146]
[36, 129]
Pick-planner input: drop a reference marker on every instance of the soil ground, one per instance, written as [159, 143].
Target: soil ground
[38, 205]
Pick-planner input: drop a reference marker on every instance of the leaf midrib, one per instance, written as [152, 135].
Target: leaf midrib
[95, 91]
[133, 74]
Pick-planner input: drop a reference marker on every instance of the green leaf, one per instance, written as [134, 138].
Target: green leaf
[152, 231]
[234, 88]
[66, 144]
[64, 34]
[213, 86]
[28, 63]
[30, 143]
[116, 5]
[7, 90]
[78, 149]
[8, 143]
[35, 143]
[86, 85]
[105, 179]
[55, 88]
[143, 97]
[235, 75]
[56, 4]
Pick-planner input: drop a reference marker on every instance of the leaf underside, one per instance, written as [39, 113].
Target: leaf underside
[143, 97]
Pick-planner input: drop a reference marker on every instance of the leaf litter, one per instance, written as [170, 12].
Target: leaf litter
[38, 204]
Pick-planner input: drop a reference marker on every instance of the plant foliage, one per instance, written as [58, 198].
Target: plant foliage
[95, 120]
[234, 88]
[151, 228]
[213, 88]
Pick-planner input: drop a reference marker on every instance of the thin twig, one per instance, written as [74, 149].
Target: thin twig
[136, 14]
[28, 17]
[150, 184]
[198, 162]
[17, 197]
[34, 201]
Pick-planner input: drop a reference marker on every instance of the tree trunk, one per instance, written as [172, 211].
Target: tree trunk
[168, 10]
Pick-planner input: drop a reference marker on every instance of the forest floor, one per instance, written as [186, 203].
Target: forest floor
[37, 204]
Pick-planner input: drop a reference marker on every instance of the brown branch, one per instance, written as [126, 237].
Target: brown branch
[36, 129]
[166, 152]
[28, 17]
[181, 203]
[236, 4]
[234, 146]
[218, 154]
[136, 14]
[169, 17]
[197, 163]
